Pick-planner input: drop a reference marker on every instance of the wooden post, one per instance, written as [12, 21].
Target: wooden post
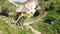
[0, 9]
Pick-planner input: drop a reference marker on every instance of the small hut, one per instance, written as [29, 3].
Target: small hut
[27, 9]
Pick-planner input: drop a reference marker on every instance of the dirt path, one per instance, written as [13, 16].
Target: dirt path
[34, 30]
[34, 21]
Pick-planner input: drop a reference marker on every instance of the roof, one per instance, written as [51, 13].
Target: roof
[22, 8]
[28, 7]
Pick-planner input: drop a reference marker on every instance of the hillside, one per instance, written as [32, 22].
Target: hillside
[47, 22]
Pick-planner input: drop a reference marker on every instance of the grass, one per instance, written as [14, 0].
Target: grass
[6, 29]
[47, 28]
[41, 26]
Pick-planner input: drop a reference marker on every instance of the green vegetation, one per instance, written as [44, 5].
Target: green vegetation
[5, 28]
[52, 7]
[46, 27]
